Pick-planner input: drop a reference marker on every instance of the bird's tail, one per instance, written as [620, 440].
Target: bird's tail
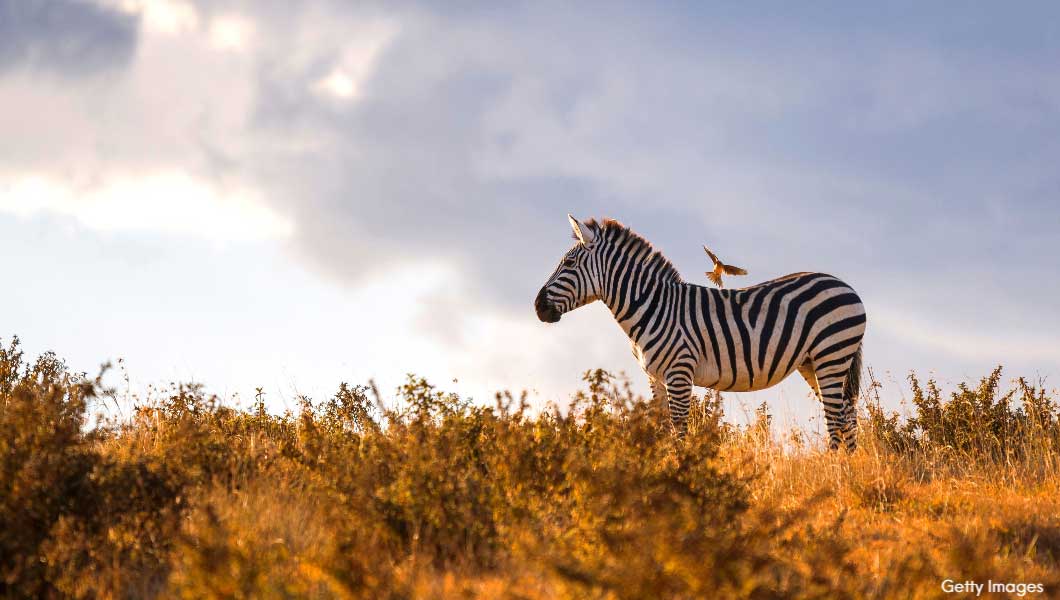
[713, 276]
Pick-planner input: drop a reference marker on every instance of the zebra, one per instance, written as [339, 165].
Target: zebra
[740, 340]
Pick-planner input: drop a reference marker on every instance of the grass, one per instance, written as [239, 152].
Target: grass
[430, 496]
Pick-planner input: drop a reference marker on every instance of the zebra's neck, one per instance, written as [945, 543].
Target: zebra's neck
[636, 278]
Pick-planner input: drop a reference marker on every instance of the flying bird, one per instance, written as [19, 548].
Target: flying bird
[720, 269]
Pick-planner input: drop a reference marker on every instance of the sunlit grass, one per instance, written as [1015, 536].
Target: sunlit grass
[429, 496]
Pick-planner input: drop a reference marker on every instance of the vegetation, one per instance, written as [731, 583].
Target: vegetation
[432, 496]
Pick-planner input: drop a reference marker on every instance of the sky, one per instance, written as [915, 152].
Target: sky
[291, 195]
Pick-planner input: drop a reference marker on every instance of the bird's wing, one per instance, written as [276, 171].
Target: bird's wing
[713, 276]
[731, 270]
[711, 255]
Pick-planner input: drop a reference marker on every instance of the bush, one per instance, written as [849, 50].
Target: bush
[436, 496]
[975, 424]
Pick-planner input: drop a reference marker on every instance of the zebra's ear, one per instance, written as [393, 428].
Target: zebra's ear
[582, 232]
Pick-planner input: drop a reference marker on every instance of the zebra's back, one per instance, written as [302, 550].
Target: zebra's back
[752, 338]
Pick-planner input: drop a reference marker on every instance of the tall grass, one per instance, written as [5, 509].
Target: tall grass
[430, 496]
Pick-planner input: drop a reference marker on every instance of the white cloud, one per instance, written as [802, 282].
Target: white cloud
[231, 32]
[358, 59]
[160, 16]
[338, 83]
[169, 202]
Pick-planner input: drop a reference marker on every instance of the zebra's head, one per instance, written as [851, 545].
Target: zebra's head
[576, 281]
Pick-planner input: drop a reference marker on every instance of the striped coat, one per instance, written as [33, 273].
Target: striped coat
[685, 334]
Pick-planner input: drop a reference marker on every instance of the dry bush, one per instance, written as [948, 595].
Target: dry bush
[976, 426]
[432, 496]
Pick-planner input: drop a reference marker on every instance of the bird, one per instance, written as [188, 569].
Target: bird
[720, 269]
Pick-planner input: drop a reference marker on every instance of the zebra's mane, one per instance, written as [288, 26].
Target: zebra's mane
[615, 231]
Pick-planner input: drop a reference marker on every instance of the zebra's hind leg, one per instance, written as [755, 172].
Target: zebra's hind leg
[851, 391]
[833, 410]
[835, 382]
[850, 427]
[835, 418]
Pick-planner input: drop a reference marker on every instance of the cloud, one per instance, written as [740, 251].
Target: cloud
[380, 137]
[357, 59]
[474, 134]
[66, 37]
[163, 16]
[479, 132]
[164, 202]
[231, 32]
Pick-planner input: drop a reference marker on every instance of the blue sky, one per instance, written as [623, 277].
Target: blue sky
[290, 195]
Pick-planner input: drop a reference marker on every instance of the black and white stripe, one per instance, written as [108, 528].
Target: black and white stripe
[685, 334]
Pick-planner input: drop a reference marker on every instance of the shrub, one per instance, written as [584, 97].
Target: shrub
[437, 496]
[975, 424]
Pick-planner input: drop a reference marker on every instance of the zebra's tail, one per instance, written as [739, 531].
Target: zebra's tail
[852, 386]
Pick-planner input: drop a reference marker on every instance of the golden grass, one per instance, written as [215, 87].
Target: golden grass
[433, 497]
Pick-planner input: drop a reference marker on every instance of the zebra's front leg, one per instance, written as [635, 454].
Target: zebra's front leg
[679, 396]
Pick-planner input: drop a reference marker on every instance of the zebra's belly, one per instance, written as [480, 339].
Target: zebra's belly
[708, 376]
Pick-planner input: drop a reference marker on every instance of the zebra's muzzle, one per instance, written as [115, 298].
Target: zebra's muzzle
[546, 312]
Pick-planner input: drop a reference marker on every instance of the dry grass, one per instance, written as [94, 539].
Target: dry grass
[436, 498]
